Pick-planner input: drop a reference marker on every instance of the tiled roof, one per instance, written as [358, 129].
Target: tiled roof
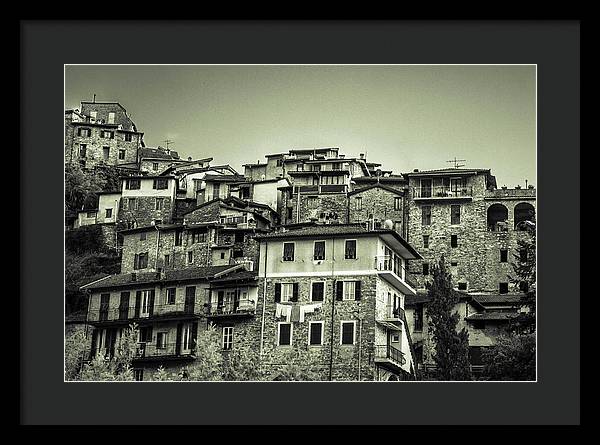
[318, 230]
[448, 170]
[420, 297]
[377, 185]
[242, 275]
[498, 298]
[158, 153]
[496, 316]
[225, 178]
[192, 273]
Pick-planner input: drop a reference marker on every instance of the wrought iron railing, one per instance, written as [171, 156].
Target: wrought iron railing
[148, 350]
[387, 263]
[442, 192]
[391, 353]
[239, 307]
[124, 313]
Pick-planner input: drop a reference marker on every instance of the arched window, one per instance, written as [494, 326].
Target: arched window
[393, 378]
[497, 215]
[524, 212]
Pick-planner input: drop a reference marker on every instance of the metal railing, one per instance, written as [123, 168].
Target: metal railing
[132, 313]
[442, 191]
[393, 312]
[391, 353]
[498, 226]
[387, 263]
[148, 350]
[323, 188]
[239, 307]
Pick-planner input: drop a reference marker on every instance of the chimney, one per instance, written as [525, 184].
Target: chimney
[416, 170]
[362, 156]
[189, 158]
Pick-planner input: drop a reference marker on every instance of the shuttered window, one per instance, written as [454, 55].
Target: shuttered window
[288, 251]
[318, 291]
[350, 251]
[319, 250]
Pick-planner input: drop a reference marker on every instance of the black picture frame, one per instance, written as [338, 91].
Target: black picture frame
[47, 45]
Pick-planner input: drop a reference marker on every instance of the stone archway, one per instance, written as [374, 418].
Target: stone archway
[497, 217]
[524, 211]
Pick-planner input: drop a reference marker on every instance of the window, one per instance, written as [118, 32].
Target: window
[132, 204]
[300, 167]
[138, 375]
[317, 291]
[142, 236]
[425, 268]
[91, 214]
[454, 214]
[159, 203]
[105, 134]
[478, 324]
[347, 332]
[287, 292]
[503, 255]
[132, 184]
[524, 286]
[425, 241]
[358, 203]
[418, 317]
[395, 337]
[288, 251]
[84, 132]
[162, 340]
[82, 150]
[106, 153]
[140, 260]
[315, 333]
[453, 263]
[462, 286]
[350, 250]
[216, 190]
[453, 240]
[426, 215]
[503, 288]
[316, 167]
[108, 213]
[289, 213]
[159, 184]
[227, 337]
[284, 334]
[349, 290]
[111, 118]
[155, 166]
[190, 257]
[178, 237]
[222, 255]
[171, 295]
[128, 137]
[397, 203]
[198, 236]
[145, 334]
[319, 250]
[121, 154]
[167, 260]
[279, 162]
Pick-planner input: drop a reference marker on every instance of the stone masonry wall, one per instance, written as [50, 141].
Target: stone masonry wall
[146, 211]
[95, 144]
[377, 202]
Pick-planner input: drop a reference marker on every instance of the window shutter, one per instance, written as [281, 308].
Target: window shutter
[135, 261]
[194, 334]
[151, 302]
[138, 303]
[339, 290]
[277, 292]
[178, 339]
[357, 290]
[150, 336]
[295, 292]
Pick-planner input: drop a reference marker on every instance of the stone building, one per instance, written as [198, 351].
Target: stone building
[460, 213]
[146, 200]
[101, 133]
[334, 296]
[485, 317]
[169, 307]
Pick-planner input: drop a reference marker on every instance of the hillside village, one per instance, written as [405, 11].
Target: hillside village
[311, 250]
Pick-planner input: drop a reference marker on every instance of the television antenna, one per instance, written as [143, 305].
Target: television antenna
[167, 142]
[456, 162]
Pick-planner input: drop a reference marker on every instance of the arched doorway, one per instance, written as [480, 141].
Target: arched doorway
[524, 212]
[497, 216]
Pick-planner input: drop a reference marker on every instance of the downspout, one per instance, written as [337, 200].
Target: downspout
[262, 325]
[157, 244]
[332, 308]
[359, 343]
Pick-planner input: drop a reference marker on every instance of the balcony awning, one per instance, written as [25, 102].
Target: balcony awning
[389, 325]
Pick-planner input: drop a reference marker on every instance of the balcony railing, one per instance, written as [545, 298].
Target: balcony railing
[444, 191]
[392, 312]
[386, 263]
[390, 353]
[239, 307]
[172, 349]
[136, 313]
[324, 188]
[498, 226]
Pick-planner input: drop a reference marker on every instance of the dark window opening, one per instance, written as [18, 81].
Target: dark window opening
[288, 251]
[454, 240]
[497, 215]
[318, 291]
[425, 268]
[426, 215]
[462, 286]
[503, 255]
[350, 250]
[348, 333]
[316, 331]
[285, 334]
[319, 250]
[455, 214]
[425, 241]
[503, 288]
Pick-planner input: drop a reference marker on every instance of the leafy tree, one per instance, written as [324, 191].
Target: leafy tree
[242, 364]
[208, 365]
[119, 367]
[511, 358]
[451, 347]
[524, 279]
[76, 348]
[81, 188]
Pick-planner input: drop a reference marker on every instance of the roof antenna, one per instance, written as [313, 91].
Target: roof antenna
[456, 162]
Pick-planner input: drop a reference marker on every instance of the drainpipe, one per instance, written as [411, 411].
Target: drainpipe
[332, 309]
[157, 243]
[359, 343]
[262, 325]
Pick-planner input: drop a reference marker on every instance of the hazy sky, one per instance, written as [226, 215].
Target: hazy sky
[405, 117]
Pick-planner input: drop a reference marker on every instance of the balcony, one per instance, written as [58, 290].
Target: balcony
[440, 192]
[318, 189]
[393, 314]
[389, 357]
[166, 351]
[239, 308]
[393, 272]
[129, 314]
